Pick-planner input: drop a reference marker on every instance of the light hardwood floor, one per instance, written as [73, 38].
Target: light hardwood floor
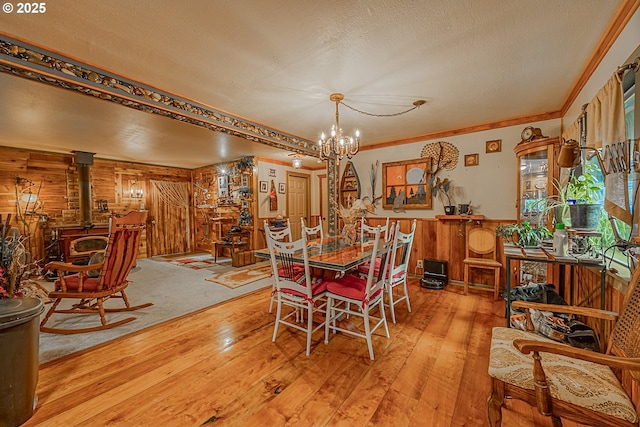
[219, 365]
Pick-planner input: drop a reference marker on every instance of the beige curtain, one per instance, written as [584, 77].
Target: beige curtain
[572, 131]
[606, 126]
[175, 194]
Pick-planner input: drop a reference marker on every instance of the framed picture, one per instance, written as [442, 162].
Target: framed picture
[272, 172]
[264, 186]
[471, 159]
[494, 146]
[405, 184]
[282, 188]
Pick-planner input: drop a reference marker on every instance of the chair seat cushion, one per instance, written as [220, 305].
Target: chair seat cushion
[73, 282]
[584, 384]
[350, 286]
[317, 288]
[364, 268]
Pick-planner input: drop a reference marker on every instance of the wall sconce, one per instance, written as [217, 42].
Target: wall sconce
[26, 195]
[569, 156]
[135, 191]
[29, 197]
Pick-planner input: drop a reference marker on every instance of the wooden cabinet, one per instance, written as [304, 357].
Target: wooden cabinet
[349, 185]
[537, 168]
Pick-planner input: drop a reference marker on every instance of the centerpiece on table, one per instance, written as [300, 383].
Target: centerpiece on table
[350, 216]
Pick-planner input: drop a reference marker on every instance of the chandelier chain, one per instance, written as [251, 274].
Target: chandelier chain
[379, 115]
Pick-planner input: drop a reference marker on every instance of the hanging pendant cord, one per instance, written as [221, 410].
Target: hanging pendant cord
[416, 104]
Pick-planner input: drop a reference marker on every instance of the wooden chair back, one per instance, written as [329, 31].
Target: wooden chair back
[288, 273]
[122, 249]
[401, 252]
[370, 230]
[625, 338]
[316, 231]
[282, 235]
[480, 243]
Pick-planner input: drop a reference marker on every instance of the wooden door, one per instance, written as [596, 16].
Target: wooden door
[297, 202]
[167, 224]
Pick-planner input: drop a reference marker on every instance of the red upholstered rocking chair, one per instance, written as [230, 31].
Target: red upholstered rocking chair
[119, 259]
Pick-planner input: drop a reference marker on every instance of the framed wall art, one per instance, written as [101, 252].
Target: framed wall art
[494, 146]
[282, 187]
[471, 159]
[405, 184]
[264, 186]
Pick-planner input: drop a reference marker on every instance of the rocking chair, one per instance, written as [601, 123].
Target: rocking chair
[119, 259]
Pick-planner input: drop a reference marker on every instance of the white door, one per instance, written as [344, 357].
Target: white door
[297, 202]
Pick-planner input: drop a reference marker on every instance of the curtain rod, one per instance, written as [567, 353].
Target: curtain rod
[635, 65]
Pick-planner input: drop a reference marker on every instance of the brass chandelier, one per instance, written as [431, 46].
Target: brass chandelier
[338, 143]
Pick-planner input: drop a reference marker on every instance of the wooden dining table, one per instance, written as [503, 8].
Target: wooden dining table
[331, 253]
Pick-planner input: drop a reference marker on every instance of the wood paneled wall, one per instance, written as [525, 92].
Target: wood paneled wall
[55, 180]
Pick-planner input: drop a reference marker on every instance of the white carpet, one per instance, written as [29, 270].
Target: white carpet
[174, 291]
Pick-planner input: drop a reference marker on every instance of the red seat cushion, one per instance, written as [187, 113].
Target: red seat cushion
[297, 269]
[73, 282]
[364, 268]
[317, 288]
[349, 286]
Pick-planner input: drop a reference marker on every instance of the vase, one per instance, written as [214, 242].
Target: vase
[349, 232]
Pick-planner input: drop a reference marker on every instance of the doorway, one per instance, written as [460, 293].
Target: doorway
[298, 188]
[168, 229]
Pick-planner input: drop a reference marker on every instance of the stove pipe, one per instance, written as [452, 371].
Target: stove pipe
[83, 161]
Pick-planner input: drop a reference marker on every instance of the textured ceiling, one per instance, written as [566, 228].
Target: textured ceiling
[275, 62]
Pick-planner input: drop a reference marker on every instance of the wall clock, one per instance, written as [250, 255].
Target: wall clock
[530, 133]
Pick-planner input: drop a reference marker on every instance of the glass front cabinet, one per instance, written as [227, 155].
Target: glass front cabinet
[537, 169]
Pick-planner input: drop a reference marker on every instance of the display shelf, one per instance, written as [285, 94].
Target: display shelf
[460, 217]
[349, 185]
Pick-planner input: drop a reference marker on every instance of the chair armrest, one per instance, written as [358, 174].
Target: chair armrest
[567, 309]
[72, 268]
[528, 346]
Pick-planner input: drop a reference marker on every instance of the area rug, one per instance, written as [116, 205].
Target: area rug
[237, 278]
[198, 261]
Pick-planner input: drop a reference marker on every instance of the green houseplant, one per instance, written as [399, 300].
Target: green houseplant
[523, 234]
[584, 195]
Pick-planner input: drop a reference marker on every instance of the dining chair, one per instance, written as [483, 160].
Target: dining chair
[481, 253]
[366, 232]
[93, 284]
[567, 382]
[282, 235]
[396, 279]
[295, 287]
[316, 231]
[363, 294]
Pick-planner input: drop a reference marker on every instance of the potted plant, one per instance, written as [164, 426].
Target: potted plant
[523, 234]
[584, 196]
[443, 190]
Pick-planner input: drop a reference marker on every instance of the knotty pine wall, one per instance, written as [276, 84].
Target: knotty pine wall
[55, 178]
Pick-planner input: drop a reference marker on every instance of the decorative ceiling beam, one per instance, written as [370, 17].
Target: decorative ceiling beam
[34, 63]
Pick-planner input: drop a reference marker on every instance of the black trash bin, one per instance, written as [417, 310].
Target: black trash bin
[19, 347]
